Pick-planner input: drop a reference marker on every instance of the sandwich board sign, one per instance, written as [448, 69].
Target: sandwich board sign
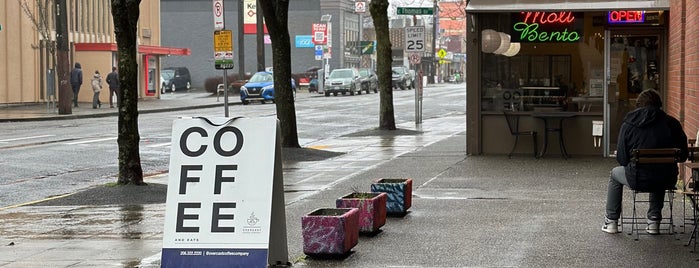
[225, 198]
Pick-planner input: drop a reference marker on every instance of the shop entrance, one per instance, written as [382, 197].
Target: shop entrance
[634, 62]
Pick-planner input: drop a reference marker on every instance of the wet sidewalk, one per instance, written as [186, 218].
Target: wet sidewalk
[167, 102]
[468, 211]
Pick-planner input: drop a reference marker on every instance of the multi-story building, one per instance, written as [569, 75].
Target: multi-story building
[27, 72]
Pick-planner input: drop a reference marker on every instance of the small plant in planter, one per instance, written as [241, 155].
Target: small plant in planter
[399, 191]
[330, 231]
[372, 209]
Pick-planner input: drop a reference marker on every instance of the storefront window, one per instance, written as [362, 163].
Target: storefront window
[541, 60]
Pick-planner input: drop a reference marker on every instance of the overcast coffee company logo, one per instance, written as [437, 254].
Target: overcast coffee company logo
[252, 225]
[304, 41]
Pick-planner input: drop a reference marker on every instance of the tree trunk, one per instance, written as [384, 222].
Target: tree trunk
[379, 13]
[125, 14]
[276, 14]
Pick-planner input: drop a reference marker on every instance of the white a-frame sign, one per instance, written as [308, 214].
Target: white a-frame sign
[225, 198]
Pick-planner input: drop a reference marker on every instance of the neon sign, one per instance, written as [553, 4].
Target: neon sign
[564, 26]
[626, 16]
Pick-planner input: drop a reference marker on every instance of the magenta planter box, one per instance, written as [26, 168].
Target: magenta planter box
[372, 209]
[399, 191]
[330, 231]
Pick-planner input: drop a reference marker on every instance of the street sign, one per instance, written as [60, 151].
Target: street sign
[441, 53]
[415, 58]
[319, 30]
[368, 47]
[218, 15]
[415, 39]
[359, 7]
[223, 49]
[414, 11]
[318, 52]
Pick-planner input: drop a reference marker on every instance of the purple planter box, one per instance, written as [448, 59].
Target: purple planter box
[372, 209]
[330, 231]
[399, 191]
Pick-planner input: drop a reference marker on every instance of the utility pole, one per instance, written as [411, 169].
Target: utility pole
[65, 92]
[241, 41]
[260, 38]
[435, 26]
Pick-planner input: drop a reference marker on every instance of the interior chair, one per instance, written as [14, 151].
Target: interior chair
[648, 158]
[513, 124]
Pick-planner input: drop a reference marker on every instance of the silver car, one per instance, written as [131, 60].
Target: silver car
[343, 81]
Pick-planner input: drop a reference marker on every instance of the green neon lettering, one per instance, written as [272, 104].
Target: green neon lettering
[530, 32]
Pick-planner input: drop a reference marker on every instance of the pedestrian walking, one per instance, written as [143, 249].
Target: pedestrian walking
[646, 127]
[76, 80]
[113, 82]
[96, 88]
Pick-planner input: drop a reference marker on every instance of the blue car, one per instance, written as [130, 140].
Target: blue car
[260, 87]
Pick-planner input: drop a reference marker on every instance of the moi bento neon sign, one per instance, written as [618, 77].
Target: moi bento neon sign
[547, 27]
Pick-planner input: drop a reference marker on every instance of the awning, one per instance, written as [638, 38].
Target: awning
[578, 5]
[143, 49]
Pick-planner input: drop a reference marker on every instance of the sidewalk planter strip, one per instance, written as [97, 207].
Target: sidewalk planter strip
[372, 209]
[399, 191]
[330, 231]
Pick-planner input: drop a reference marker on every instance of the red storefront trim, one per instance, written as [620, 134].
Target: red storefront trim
[143, 49]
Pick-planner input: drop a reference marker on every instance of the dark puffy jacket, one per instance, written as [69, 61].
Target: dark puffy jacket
[76, 76]
[647, 128]
[113, 80]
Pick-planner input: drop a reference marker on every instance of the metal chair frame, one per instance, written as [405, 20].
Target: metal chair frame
[690, 192]
[513, 125]
[650, 157]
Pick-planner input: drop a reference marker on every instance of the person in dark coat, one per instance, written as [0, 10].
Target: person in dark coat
[76, 80]
[646, 127]
[113, 82]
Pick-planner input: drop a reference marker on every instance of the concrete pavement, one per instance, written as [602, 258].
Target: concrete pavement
[468, 211]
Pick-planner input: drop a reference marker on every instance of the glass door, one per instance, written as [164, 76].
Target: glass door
[634, 62]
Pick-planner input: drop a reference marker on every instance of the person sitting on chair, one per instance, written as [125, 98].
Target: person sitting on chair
[646, 127]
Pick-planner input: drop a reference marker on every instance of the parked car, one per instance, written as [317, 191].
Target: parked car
[260, 87]
[343, 81]
[370, 80]
[175, 78]
[400, 77]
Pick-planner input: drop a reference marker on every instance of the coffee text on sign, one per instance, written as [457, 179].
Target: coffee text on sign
[222, 175]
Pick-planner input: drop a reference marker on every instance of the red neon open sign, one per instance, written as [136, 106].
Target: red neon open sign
[626, 16]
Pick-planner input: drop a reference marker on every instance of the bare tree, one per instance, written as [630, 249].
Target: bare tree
[379, 14]
[40, 16]
[276, 15]
[125, 14]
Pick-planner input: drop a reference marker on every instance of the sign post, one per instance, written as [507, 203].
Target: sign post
[415, 46]
[223, 59]
[222, 210]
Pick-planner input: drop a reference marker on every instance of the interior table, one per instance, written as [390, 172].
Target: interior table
[553, 122]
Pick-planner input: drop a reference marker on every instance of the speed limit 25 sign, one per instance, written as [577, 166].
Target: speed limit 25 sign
[415, 39]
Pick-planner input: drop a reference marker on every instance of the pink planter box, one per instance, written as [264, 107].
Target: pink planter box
[330, 231]
[372, 209]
